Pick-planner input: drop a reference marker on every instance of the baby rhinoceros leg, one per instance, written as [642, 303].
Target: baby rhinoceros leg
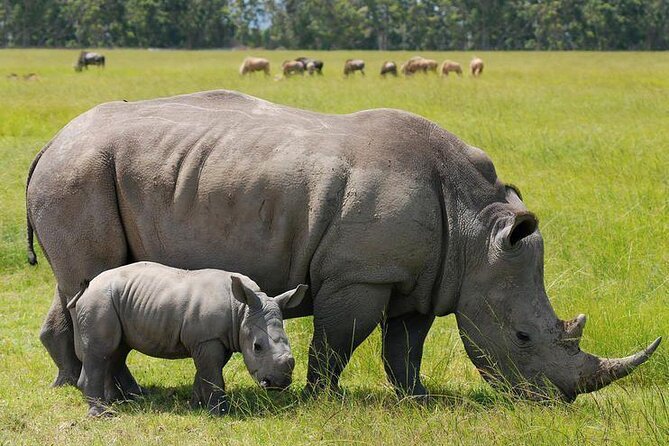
[120, 385]
[208, 388]
[101, 334]
[92, 383]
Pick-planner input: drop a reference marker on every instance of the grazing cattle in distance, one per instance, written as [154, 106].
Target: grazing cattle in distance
[311, 65]
[449, 66]
[419, 64]
[476, 66]
[409, 66]
[353, 65]
[253, 64]
[87, 58]
[291, 67]
[388, 67]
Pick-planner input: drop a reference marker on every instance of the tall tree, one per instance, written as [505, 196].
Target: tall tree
[339, 24]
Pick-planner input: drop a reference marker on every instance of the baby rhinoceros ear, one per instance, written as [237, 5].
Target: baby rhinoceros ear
[244, 294]
[292, 298]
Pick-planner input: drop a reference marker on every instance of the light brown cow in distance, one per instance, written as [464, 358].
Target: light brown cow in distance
[450, 67]
[253, 64]
[476, 66]
[418, 63]
[291, 67]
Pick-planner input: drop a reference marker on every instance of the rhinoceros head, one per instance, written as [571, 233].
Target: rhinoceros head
[510, 331]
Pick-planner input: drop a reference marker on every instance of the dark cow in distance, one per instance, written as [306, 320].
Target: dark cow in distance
[311, 65]
[88, 58]
[353, 65]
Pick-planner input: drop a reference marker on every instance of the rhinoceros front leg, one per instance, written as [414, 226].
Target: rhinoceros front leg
[208, 387]
[57, 336]
[403, 339]
[343, 318]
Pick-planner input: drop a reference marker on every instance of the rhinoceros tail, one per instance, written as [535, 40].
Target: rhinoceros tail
[73, 301]
[32, 257]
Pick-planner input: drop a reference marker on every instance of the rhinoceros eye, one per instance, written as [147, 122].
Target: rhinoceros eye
[522, 336]
[257, 347]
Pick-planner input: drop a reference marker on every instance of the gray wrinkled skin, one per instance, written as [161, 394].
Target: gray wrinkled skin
[390, 219]
[172, 313]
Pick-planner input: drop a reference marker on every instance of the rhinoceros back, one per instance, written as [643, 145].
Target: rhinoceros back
[223, 180]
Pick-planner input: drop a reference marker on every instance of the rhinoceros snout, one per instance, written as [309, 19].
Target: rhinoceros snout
[276, 383]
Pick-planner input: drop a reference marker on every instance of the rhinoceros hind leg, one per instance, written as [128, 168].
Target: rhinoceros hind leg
[57, 336]
[79, 228]
[403, 339]
[343, 318]
[120, 385]
[92, 384]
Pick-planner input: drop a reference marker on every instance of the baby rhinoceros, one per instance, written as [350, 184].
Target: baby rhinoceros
[171, 313]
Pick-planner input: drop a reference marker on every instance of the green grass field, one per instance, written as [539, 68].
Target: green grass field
[584, 135]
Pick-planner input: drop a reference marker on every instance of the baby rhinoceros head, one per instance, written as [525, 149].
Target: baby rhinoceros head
[262, 339]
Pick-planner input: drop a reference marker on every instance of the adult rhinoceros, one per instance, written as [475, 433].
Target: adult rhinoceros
[389, 218]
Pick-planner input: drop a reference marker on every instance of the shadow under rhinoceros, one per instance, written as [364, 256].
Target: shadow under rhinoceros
[244, 402]
[250, 402]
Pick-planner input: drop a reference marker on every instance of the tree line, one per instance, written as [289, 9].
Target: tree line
[338, 24]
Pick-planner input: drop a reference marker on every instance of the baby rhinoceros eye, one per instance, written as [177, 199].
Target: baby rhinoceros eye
[522, 336]
[257, 347]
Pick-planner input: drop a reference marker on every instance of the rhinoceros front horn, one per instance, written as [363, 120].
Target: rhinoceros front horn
[603, 371]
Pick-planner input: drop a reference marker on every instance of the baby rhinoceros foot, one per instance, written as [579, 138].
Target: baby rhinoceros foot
[118, 394]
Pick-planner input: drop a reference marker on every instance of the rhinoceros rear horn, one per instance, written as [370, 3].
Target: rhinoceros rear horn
[574, 328]
[604, 371]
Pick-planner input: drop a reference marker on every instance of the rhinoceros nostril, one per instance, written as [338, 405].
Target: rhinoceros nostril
[265, 383]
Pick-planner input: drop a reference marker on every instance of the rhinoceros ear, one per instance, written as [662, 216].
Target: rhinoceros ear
[292, 298]
[244, 294]
[524, 224]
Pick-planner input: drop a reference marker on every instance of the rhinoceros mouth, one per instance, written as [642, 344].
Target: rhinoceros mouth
[541, 389]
